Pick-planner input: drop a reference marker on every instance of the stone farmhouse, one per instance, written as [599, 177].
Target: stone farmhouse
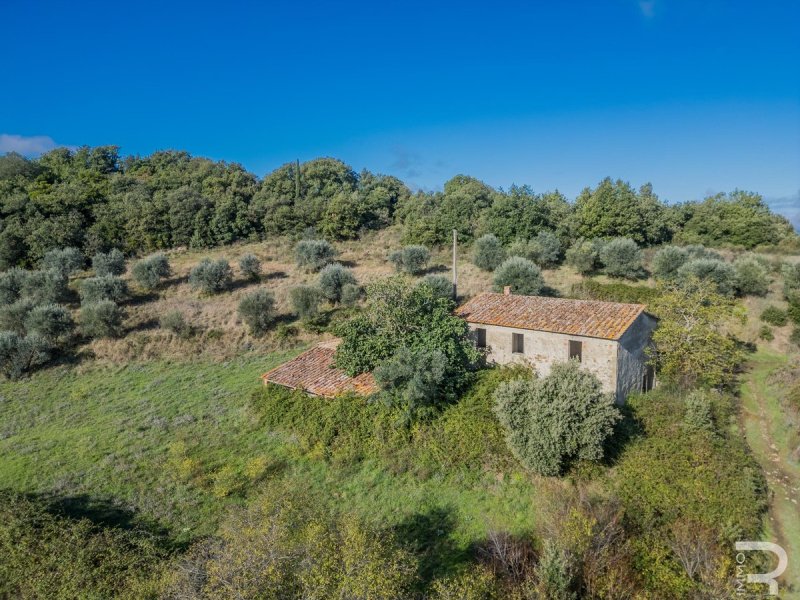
[608, 338]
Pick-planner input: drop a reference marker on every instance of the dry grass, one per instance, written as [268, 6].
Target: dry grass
[220, 334]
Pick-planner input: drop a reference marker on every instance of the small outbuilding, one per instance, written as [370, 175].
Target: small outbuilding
[313, 372]
[610, 339]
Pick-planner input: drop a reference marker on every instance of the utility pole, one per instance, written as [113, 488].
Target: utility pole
[455, 268]
[297, 179]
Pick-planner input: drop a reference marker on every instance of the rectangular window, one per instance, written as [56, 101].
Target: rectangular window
[480, 338]
[517, 343]
[576, 350]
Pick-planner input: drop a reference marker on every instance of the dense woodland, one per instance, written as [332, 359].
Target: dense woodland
[515, 486]
[94, 199]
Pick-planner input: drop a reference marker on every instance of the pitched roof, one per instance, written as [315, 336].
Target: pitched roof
[590, 318]
[313, 372]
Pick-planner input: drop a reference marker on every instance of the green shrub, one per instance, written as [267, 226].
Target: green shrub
[621, 257]
[488, 252]
[175, 322]
[793, 312]
[545, 249]
[699, 251]
[720, 273]
[697, 415]
[11, 284]
[332, 280]
[555, 421]
[774, 316]
[667, 261]
[102, 319]
[63, 260]
[582, 255]
[108, 287]
[257, 310]
[52, 322]
[211, 276]
[554, 573]
[45, 286]
[312, 255]
[250, 267]
[413, 380]
[439, 284]
[795, 336]
[108, 263]
[12, 316]
[752, 278]
[791, 278]
[149, 271]
[522, 275]
[351, 294]
[765, 333]
[410, 259]
[591, 289]
[22, 354]
[305, 301]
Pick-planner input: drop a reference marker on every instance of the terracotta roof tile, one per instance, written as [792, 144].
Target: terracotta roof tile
[313, 372]
[590, 318]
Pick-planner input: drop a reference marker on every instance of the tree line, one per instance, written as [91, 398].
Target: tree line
[94, 199]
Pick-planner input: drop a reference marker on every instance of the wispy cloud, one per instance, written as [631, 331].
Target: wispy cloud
[788, 206]
[410, 166]
[648, 8]
[27, 145]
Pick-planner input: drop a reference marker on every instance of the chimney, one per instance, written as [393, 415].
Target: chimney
[507, 290]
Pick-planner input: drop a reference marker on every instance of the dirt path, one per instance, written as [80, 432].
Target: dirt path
[768, 434]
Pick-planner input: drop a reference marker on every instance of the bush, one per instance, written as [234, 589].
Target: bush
[700, 251]
[305, 301]
[11, 284]
[795, 336]
[108, 263]
[20, 355]
[667, 261]
[590, 289]
[720, 273]
[149, 271]
[175, 322]
[312, 255]
[439, 284]
[12, 316]
[45, 286]
[555, 421]
[582, 255]
[774, 316]
[101, 319]
[410, 259]
[52, 322]
[63, 260]
[351, 293]
[545, 249]
[108, 287]
[752, 278]
[698, 416]
[488, 252]
[250, 267]
[332, 279]
[621, 257]
[522, 275]
[765, 333]
[791, 278]
[211, 276]
[412, 380]
[257, 310]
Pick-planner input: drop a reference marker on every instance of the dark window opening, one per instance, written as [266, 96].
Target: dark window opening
[517, 343]
[576, 350]
[480, 338]
[649, 378]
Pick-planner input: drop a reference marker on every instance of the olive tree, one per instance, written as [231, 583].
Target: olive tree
[752, 278]
[257, 310]
[718, 272]
[582, 255]
[553, 422]
[108, 287]
[22, 354]
[250, 267]
[488, 252]
[149, 271]
[332, 280]
[66, 260]
[211, 276]
[621, 257]
[305, 300]
[109, 263]
[312, 255]
[667, 261]
[521, 274]
[410, 259]
[101, 319]
[52, 322]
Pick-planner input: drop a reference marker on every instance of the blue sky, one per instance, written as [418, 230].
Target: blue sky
[695, 96]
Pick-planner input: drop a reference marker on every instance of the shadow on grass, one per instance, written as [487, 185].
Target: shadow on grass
[428, 535]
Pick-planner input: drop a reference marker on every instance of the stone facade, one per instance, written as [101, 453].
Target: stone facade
[620, 365]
